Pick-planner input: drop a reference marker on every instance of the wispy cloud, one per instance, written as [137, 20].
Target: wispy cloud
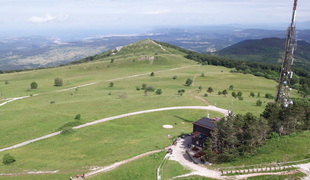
[48, 19]
[156, 12]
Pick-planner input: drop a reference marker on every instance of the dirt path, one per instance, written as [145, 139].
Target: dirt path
[161, 47]
[115, 165]
[17, 98]
[212, 108]
[197, 97]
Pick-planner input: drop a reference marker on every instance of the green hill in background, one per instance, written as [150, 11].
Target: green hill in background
[267, 50]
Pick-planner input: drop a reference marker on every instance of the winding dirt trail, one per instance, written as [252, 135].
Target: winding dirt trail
[197, 97]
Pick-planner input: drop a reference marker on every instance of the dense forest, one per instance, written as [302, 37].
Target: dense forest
[267, 50]
[242, 135]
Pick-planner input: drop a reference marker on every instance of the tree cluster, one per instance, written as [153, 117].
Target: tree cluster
[241, 135]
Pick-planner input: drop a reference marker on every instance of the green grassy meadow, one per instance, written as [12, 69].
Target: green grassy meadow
[106, 143]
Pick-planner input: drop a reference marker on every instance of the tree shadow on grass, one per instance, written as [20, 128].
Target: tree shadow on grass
[189, 121]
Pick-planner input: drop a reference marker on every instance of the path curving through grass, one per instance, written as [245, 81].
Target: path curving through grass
[212, 108]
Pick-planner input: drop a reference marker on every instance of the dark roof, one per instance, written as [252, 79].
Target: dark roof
[206, 123]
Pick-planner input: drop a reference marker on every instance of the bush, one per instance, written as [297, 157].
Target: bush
[252, 94]
[78, 116]
[233, 94]
[269, 96]
[143, 86]
[6, 82]
[158, 91]
[137, 88]
[150, 88]
[239, 94]
[174, 77]
[33, 85]
[205, 94]
[52, 102]
[274, 135]
[58, 82]
[202, 74]
[112, 60]
[152, 74]
[231, 87]
[181, 91]
[240, 98]
[111, 84]
[8, 159]
[67, 130]
[188, 81]
[258, 103]
[219, 93]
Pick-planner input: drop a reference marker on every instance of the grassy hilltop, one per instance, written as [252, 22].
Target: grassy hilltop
[116, 140]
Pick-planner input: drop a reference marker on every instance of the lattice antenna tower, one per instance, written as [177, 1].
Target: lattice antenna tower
[283, 92]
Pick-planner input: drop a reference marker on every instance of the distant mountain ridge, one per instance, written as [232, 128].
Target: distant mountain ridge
[267, 50]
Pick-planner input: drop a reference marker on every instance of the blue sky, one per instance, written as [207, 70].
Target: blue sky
[27, 16]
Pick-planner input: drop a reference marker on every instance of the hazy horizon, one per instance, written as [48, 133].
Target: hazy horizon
[69, 19]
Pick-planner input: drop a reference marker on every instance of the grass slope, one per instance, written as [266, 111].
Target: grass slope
[120, 139]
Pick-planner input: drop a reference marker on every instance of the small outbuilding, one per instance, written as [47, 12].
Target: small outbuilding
[202, 130]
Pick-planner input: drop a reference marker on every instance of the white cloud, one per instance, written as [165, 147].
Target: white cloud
[48, 19]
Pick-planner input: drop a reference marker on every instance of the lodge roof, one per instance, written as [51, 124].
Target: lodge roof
[206, 123]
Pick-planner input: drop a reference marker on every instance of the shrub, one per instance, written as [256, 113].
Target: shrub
[158, 91]
[143, 86]
[112, 60]
[8, 159]
[258, 103]
[52, 102]
[137, 88]
[233, 94]
[252, 94]
[200, 88]
[58, 82]
[110, 93]
[111, 84]
[6, 82]
[258, 94]
[67, 130]
[150, 88]
[78, 116]
[202, 74]
[174, 77]
[219, 93]
[33, 85]
[239, 94]
[152, 74]
[269, 96]
[188, 81]
[205, 94]
[240, 98]
[181, 91]
[231, 87]
[274, 135]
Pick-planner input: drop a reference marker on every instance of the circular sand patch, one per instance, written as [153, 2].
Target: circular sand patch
[167, 126]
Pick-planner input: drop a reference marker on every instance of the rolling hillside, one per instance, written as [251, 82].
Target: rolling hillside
[268, 50]
[87, 91]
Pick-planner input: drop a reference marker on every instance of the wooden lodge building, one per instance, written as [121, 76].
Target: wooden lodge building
[202, 130]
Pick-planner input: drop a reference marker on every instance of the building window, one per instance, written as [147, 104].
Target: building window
[197, 142]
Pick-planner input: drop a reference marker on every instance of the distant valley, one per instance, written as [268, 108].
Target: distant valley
[38, 51]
